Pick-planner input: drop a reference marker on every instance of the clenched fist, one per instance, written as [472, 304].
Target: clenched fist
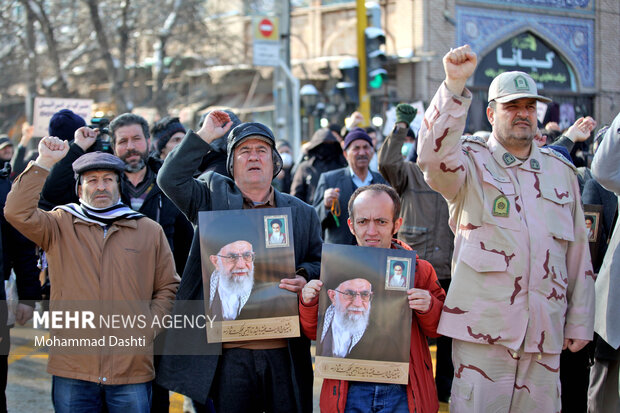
[51, 150]
[215, 125]
[459, 64]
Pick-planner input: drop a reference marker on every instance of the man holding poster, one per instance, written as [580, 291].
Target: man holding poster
[283, 383]
[373, 220]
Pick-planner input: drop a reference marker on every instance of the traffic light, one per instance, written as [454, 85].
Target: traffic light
[349, 83]
[374, 38]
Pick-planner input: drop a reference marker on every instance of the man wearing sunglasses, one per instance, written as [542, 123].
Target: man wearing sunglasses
[374, 212]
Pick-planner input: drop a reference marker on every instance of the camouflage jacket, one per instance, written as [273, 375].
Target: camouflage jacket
[521, 270]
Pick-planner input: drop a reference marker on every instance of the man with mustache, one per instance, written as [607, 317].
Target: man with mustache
[232, 280]
[98, 251]
[130, 139]
[335, 187]
[254, 375]
[346, 319]
[522, 282]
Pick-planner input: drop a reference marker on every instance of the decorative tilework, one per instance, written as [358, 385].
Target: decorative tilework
[573, 38]
[568, 5]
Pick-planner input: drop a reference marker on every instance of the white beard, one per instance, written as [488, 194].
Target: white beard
[397, 281]
[234, 291]
[276, 238]
[344, 327]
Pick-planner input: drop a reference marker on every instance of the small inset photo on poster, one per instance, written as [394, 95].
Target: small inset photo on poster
[595, 232]
[592, 220]
[276, 231]
[397, 273]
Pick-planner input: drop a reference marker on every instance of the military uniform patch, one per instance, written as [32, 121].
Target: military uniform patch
[534, 164]
[508, 158]
[501, 206]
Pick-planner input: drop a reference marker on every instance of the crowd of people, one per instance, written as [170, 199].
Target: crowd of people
[504, 278]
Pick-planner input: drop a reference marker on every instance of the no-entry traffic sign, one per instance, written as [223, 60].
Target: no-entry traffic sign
[265, 27]
[266, 41]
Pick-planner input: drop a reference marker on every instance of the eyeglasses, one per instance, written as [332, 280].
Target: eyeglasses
[233, 258]
[350, 295]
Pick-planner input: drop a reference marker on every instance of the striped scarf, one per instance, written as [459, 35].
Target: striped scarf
[102, 216]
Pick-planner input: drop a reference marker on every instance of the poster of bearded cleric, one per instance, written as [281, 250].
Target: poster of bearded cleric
[364, 324]
[242, 265]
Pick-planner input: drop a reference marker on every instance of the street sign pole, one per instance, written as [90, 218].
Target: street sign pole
[281, 87]
[272, 48]
[362, 23]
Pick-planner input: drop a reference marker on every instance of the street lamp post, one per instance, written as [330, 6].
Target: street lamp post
[309, 96]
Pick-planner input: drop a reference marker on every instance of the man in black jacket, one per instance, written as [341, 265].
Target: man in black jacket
[336, 187]
[285, 365]
[323, 154]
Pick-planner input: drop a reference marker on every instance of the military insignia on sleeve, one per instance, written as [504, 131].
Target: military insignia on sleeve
[534, 164]
[501, 206]
[508, 158]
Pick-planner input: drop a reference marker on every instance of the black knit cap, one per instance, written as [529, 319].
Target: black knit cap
[163, 130]
[97, 161]
[253, 130]
[64, 123]
[355, 134]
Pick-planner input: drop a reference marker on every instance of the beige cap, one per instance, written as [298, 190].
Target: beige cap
[510, 86]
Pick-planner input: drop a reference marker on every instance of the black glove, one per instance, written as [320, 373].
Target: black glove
[405, 113]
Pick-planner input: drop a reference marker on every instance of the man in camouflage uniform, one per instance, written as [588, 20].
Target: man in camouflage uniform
[522, 282]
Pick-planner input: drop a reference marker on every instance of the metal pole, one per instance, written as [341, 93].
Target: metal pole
[362, 23]
[295, 137]
[284, 128]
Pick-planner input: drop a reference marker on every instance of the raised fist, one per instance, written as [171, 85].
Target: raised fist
[581, 129]
[216, 124]
[459, 64]
[85, 137]
[51, 150]
[405, 113]
[220, 117]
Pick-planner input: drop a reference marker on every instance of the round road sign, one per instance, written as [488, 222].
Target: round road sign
[265, 27]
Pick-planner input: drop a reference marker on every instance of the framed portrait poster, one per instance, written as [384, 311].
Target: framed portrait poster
[364, 321]
[593, 214]
[245, 254]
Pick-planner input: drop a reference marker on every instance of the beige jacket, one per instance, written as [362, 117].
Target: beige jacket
[130, 265]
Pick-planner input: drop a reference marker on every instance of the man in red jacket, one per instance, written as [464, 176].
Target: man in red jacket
[373, 220]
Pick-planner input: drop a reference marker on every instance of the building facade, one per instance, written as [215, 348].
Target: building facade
[570, 47]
